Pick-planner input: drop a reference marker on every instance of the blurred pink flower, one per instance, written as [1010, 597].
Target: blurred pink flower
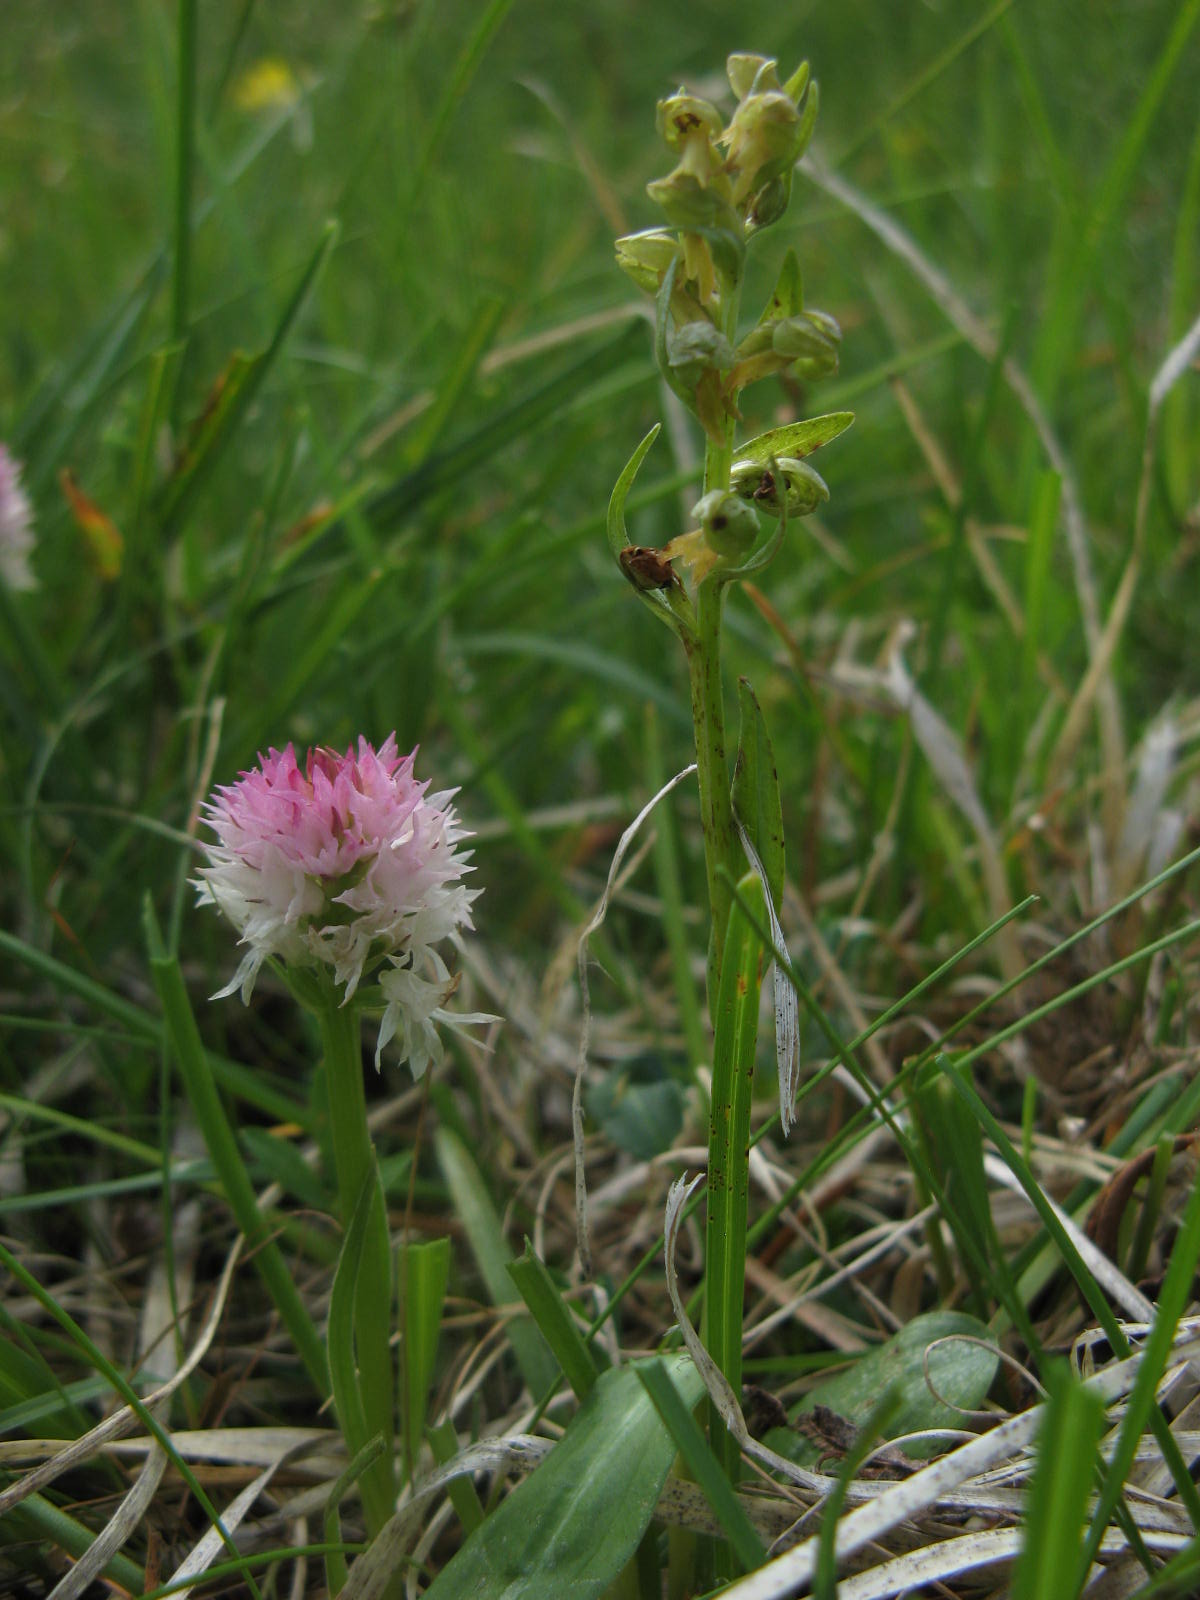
[16, 526]
[346, 864]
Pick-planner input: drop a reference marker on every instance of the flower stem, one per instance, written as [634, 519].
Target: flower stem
[708, 704]
[712, 770]
[354, 1158]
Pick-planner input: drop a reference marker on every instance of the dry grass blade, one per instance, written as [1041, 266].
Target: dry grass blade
[372, 1572]
[944, 752]
[214, 1540]
[953, 1557]
[322, 1449]
[900, 1503]
[126, 1419]
[982, 340]
[1177, 362]
[119, 1528]
[1107, 1274]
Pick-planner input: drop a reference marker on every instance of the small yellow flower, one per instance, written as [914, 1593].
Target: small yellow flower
[266, 85]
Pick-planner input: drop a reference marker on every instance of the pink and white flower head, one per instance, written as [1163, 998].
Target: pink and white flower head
[347, 865]
[16, 526]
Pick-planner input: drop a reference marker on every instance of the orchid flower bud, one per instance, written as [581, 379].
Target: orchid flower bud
[750, 73]
[758, 481]
[811, 336]
[697, 348]
[729, 523]
[646, 256]
[691, 203]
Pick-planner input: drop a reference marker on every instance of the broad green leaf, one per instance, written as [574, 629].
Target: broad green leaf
[639, 1107]
[960, 1372]
[798, 439]
[756, 790]
[573, 1524]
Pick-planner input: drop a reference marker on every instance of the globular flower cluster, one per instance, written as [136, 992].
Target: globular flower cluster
[347, 865]
[16, 526]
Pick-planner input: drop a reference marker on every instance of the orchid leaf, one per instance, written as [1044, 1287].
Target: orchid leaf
[797, 439]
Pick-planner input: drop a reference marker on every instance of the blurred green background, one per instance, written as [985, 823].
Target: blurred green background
[471, 371]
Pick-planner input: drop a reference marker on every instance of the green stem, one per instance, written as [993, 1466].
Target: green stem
[712, 770]
[734, 1044]
[708, 709]
[708, 703]
[354, 1160]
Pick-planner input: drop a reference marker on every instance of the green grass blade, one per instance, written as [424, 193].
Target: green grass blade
[1060, 324]
[185, 141]
[37, 1518]
[222, 1147]
[1142, 1407]
[424, 1274]
[336, 1571]
[1048, 1567]
[238, 387]
[703, 1466]
[458, 80]
[553, 1316]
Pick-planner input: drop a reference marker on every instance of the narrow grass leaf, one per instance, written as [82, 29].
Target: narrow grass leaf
[216, 427]
[516, 419]
[1143, 1408]
[1056, 1508]
[702, 1465]
[443, 1441]
[361, 1463]
[424, 1273]
[881, 1414]
[553, 1316]
[38, 1520]
[1187, 1241]
[46, 428]
[343, 1367]
[202, 1093]
[185, 141]
[462, 368]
